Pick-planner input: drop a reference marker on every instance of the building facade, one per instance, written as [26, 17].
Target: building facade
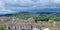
[22, 27]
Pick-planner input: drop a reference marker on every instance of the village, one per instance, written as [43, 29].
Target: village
[28, 24]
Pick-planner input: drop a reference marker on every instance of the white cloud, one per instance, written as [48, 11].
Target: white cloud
[55, 1]
[26, 4]
[5, 11]
[33, 3]
[1, 4]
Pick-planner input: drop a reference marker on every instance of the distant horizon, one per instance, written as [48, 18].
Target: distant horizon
[29, 12]
[56, 10]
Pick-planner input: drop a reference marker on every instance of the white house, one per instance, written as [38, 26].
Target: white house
[36, 29]
[45, 29]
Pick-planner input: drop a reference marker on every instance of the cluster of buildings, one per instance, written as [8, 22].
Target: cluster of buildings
[29, 24]
[17, 24]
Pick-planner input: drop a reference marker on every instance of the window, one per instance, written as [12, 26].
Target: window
[9, 28]
[28, 27]
[23, 29]
[36, 26]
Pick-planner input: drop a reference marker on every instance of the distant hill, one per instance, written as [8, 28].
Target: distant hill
[43, 16]
[57, 10]
[30, 13]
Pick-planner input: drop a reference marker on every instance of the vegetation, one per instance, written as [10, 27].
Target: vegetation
[2, 27]
[39, 16]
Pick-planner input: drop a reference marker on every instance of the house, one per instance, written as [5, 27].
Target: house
[22, 27]
[5, 19]
[19, 27]
[45, 29]
[36, 27]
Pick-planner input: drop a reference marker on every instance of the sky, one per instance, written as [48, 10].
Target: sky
[13, 6]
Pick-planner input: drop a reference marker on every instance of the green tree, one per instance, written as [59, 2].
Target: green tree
[2, 27]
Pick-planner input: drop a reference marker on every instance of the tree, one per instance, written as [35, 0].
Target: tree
[2, 27]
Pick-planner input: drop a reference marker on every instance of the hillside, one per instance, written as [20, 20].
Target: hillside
[40, 16]
[42, 19]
